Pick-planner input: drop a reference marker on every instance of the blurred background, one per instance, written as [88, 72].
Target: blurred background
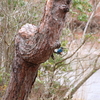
[75, 73]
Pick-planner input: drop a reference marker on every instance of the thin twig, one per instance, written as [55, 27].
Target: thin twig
[91, 16]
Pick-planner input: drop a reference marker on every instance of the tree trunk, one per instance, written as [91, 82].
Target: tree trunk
[34, 45]
[22, 78]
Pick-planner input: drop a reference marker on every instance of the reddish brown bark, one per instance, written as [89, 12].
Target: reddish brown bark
[34, 45]
[22, 78]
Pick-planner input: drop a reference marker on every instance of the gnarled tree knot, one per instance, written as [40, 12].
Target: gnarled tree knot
[28, 30]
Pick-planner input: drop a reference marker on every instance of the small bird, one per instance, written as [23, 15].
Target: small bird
[59, 51]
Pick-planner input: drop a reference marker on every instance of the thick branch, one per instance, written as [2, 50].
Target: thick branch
[71, 92]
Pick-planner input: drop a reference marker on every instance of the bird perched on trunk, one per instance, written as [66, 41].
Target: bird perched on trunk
[57, 51]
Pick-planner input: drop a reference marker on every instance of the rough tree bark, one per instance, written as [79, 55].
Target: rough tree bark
[34, 45]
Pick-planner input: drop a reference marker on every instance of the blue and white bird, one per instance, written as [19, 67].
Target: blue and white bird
[59, 50]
